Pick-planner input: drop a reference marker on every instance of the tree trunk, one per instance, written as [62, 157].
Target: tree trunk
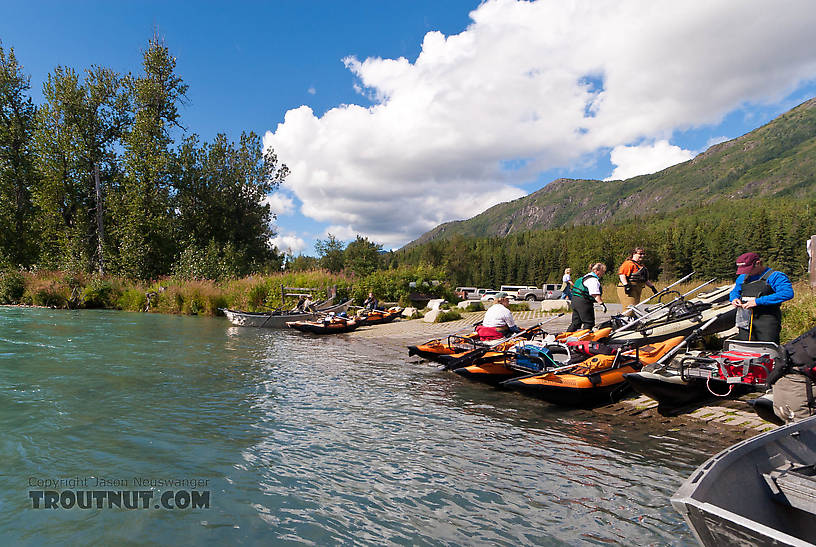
[100, 228]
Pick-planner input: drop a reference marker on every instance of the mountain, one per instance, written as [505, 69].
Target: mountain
[776, 160]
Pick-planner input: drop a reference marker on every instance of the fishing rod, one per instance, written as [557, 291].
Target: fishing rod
[662, 292]
[663, 306]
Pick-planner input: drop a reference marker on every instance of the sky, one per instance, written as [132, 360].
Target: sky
[396, 116]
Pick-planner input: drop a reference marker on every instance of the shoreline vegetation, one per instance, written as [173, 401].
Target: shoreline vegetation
[181, 296]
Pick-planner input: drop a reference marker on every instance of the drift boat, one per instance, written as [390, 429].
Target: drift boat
[278, 319]
[597, 380]
[758, 492]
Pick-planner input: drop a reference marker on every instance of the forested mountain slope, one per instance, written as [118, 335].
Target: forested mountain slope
[775, 160]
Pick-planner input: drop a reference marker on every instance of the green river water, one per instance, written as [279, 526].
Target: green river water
[282, 438]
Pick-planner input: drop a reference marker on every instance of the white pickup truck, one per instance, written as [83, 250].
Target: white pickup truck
[550, 291]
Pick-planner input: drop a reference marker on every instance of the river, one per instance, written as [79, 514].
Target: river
[281, 438]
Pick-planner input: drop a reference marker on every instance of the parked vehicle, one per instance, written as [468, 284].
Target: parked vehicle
[489, 296]
[513, 290]
[465, 292]
[549, 291]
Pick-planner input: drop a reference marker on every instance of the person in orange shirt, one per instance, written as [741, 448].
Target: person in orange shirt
[633, 277]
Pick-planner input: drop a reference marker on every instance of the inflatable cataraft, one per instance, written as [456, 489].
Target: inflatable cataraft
[597, 380]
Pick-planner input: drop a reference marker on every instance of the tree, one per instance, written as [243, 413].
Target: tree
[362, 256]
[219, 195]
[79, 127]
[144, 234]
[18, 234]
[331, 253]
[301, 263]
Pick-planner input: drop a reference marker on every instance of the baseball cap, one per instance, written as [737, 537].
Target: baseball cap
[500, 295]
[745, 262]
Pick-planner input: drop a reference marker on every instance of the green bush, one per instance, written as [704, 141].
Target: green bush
[52, 295]
[12, 287]
[448, 315]
[132, 300]
[475, 306]
[518, 307]
[99, 294]
[258, 296]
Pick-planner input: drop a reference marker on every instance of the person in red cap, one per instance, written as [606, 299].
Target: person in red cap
[758, 294]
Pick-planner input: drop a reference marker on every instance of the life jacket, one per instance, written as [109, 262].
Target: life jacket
[578, 288]
[766, 320]
[641, 275]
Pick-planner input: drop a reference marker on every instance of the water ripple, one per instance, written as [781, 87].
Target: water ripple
[310, 441]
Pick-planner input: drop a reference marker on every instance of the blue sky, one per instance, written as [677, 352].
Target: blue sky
[395, 116]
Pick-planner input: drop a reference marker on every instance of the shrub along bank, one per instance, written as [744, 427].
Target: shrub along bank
[177, 295]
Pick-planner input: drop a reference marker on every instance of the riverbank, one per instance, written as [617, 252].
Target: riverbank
[729, 419]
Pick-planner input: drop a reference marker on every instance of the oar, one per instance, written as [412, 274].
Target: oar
[542, 373]
[641, 319]
[660, 293]
[676, 349]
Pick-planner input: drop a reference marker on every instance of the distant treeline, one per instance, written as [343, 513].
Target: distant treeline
[92, 180]
[706, 241]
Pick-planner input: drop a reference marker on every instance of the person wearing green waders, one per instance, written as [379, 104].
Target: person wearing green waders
[758, 295]
[586, 292]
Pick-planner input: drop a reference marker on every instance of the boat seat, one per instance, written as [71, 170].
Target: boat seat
[794, 484]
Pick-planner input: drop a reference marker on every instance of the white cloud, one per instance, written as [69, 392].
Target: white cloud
[643, 159]
[289, 242]
[546, 82]
[280, 203]
[311, 90]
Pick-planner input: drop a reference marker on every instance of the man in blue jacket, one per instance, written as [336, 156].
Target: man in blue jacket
[758, 294]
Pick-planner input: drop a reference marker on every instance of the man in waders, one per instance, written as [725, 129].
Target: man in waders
[758, 294]
[586, 292]
[633, 277]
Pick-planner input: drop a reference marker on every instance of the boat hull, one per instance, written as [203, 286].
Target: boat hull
[318, 327]
[658, 332]
[272, 321]
[489, 373]
[670, 393]
[379, 318]
[756, 515]
[575, 390]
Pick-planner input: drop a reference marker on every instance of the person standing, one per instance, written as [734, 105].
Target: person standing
[566, 284]
[586, 292]
[633, 276]
[758, 295]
